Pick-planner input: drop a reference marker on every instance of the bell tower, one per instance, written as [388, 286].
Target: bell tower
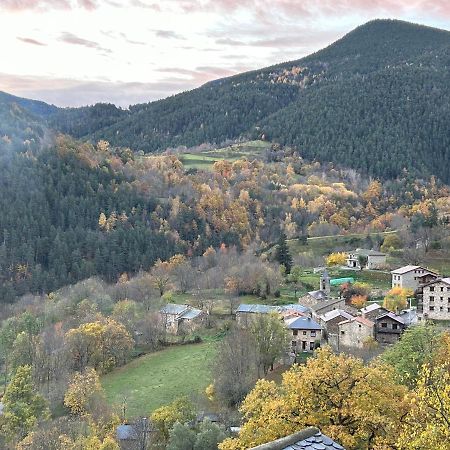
[325, 282]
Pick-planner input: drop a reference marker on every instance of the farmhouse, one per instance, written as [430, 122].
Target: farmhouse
[411, 277]
[362, 259]
[435, 303]
[355, 332]
[304, 334]
[177, 318]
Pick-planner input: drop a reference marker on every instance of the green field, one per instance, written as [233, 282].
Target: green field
[206, 159]
[158, 378]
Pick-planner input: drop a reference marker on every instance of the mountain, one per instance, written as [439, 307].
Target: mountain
[376, 100]
[20, 129]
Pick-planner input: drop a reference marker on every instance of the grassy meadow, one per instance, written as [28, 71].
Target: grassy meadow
[156, 379]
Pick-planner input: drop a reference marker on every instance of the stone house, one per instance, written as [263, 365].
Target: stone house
[331, 320]
[388, 328]
[304, 333]
[412, 277]
[435, 302]
[354, 333]
[375, 260]
[181, 318]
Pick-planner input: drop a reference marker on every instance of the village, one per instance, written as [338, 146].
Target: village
[325, 317]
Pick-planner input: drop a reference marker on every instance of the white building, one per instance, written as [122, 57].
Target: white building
[375, 260]
[411, 277]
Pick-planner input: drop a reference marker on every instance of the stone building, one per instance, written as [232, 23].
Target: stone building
[373, 259]
[304, 334]
[181, 318]
[354, 333]
[435, 302]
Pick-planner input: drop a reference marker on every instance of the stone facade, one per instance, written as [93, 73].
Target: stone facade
[355, 333]
[304, 333]
[436, 300]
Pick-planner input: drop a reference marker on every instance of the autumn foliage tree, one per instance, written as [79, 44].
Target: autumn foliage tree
[359, 406]
[336, 259]
[397, 299]
[102, 345]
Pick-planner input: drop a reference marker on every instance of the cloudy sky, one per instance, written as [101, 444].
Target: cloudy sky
[78, 52]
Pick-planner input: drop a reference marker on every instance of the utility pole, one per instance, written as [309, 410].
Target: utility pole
[144, 432]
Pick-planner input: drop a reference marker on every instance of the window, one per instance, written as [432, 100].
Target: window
[295, 332]
[431, 298]
[311, 345]
[442, 299]
[431, 308]
[431, 288]
[383, 325]
[394, 326]
[294, 343]
[359, 325]
[442, 289]
[342, 332]
[448, 310]
[441, 308]
[304, 333]
[313, 334]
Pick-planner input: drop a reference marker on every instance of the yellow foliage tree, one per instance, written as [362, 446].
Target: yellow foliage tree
[397, 299]
[181, 410]
[82, 390]
[359, 406]
[359, 301]
[336, 259]
[428, 422]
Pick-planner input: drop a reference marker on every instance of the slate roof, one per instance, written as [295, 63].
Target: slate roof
[173, 308]
[392, 316]
[126, 432]
[406, 269]
[326, 304]
[409, 316]
[190, 314]
[318, 295]
[330, 315]
[370, 308]
[307, 439]
[303, 323]
[438, 280]
[359, 319]
[365, 252]
[265, 309]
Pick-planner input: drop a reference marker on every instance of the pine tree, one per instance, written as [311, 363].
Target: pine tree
[282, 254]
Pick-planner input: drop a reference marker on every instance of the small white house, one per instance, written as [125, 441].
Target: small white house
[374, 259]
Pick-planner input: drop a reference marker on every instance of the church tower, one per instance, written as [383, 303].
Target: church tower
[325, 282]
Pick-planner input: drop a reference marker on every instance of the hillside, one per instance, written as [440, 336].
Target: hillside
[375, 100]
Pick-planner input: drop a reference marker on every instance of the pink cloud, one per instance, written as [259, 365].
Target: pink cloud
[43, 5]
[31, 41]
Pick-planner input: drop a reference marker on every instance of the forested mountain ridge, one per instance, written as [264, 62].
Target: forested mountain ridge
[375, 100]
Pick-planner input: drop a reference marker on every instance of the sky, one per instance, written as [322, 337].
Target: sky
[80, 52]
